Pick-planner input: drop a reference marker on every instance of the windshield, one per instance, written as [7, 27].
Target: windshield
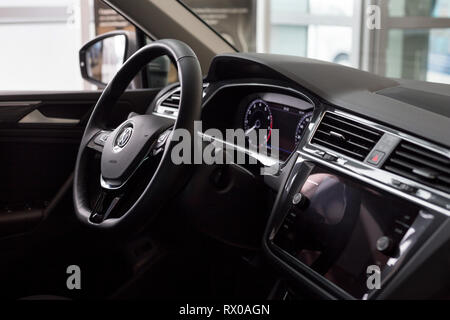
[407, 39]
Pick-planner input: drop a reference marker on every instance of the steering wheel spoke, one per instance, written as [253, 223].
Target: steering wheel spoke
[160, 143]
[104, 205]
[97, 143]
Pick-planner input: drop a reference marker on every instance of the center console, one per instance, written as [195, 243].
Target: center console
[337, 228]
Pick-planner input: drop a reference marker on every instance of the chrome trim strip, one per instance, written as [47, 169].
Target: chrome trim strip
[238, 84]
[404, 136]
[219, 143]
[37, 117]
[425, 196]
[160, 110]
[19, 103]
[362, 176]
[253, 84]
[172, 112]
[164, 115]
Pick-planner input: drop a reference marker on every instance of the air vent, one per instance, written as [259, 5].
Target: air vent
[346, 136]
[421, 165]
[172, 101]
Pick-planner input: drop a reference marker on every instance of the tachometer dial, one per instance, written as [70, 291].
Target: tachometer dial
[258, 117]
[302, 126]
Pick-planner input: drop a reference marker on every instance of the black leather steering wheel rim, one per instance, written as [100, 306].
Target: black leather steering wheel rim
[167, 174]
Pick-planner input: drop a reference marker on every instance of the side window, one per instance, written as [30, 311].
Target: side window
[160, 72]
[41, 40]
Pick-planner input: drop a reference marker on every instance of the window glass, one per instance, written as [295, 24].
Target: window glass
[419, 54]
[320, 29]
[412, 8]
[40, 42]
[330, 43]
[299, 28]
[288, 39]
[331, 7]
[315, 7]
[404, 39]
[161, 71]
[288, 7]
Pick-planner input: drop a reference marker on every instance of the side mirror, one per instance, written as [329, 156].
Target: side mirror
[103, 56]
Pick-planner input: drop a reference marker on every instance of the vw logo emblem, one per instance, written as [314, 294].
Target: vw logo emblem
[124, 137]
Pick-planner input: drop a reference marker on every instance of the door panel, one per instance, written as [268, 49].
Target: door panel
[39, 139]
[39, 233]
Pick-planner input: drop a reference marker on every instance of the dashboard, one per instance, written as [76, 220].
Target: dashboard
[361, 182]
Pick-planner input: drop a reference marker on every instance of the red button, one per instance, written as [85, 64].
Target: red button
[376, 157]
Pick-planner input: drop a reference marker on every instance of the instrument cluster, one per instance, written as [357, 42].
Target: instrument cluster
[270, 112]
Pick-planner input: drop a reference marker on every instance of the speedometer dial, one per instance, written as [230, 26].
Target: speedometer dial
[258, 117]
[302, 126]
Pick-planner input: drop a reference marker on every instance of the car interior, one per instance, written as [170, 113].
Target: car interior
[361, 180]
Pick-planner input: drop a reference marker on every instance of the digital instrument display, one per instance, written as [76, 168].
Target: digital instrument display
[290, 122]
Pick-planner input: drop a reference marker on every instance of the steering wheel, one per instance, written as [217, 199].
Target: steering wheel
[137, 175]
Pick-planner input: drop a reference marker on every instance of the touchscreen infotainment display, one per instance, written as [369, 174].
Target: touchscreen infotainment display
[342, 228]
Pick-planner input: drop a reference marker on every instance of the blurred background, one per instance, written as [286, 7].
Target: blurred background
[41, 38]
